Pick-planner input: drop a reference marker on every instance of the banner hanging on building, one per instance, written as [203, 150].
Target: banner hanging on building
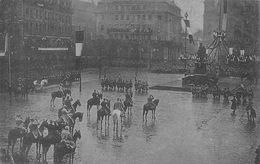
[79, 42]
[5, 45]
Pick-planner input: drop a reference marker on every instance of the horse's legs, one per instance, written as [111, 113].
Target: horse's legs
[101, 123]
[97, 123]
[146, 115]
[14, 142]
[27, 150]
[51, 102]
[143, 114]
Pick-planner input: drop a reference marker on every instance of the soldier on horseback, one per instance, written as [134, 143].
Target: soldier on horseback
[150, 101]
[105, 105]
[20, 123]
[118, 105]
[67, 103]
[67, 138]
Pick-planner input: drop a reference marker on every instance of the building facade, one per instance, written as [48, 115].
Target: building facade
[40, 32]
[242, 30]
[83, 18]
[154, 24]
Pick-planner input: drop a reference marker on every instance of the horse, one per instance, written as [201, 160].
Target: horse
[19, 90]
[16, 133]
[38, 85]
[117, 115]
[216, 93]
[151, 107]
[29, 138]
[252, 115]
[128, 104]
[59, 94]
[61, 149]
[52, 136]
[94, 101]
[70, 119]
[74, 107]
[103, 112]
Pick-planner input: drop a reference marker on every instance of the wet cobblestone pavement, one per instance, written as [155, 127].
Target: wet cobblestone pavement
[186, 130]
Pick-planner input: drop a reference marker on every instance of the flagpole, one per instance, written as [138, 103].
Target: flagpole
[9, 65]
[186, 16]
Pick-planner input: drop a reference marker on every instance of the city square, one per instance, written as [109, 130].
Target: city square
[115, 81]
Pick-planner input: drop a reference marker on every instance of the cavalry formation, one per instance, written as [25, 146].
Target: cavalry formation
[60, 132]
[121, 85]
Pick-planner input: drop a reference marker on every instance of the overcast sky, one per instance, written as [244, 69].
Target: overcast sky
[194, 8]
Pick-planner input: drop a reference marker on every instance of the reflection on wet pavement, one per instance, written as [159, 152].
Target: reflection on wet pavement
[186, 130]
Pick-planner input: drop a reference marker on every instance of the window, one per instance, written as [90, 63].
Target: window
[138, 17]
[37, 15]
[144, 17]
[159, 17]
[116, 7]
[127, 17]
[103, 17]
[102, 27]
[116, 17]
[122, 17]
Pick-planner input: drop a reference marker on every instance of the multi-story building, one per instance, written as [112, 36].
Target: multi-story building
[40, 32]
[83, 18]
[242, 25]
[154, 23]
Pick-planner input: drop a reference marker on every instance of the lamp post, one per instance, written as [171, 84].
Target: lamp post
[185, 43]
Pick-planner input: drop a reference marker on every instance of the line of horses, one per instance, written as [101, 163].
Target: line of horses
[120, 85]
[45, 134]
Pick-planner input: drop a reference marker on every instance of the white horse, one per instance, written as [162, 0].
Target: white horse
[117, 115]
[40, 84]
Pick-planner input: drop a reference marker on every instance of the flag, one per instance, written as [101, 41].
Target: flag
[79, 42]
[6, 42]
[224, 19]
[187, 23]
[190, 35]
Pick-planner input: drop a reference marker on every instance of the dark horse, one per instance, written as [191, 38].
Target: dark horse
[151, 107]
[61, 149]
[59, 94]
[16, 133]
[94, 101]
[103, 112]
[33, 136]
[74, 107]
[53, 135]
[128, 104]
[70, 119]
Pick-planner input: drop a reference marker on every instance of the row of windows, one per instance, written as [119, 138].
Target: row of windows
[131, 37]
[136, 17]
[33, 27]
[59, 2]
[130, 7]
[35, 13]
